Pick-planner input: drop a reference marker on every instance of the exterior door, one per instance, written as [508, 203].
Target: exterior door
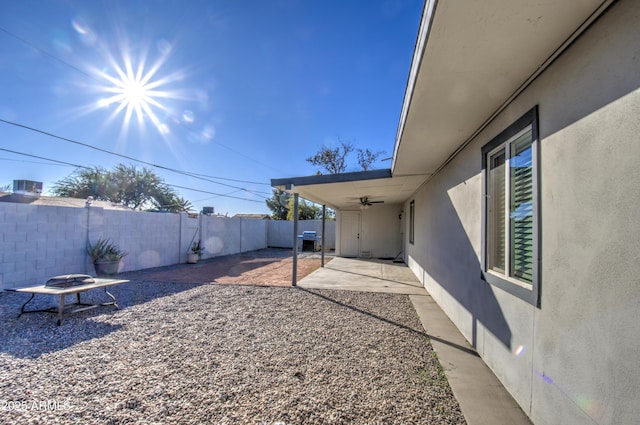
[350, 234]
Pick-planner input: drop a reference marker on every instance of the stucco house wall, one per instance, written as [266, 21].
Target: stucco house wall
[381, 233]
[380, 229]
[573, 359]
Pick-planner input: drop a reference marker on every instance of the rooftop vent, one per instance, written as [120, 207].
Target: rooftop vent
[27, 187]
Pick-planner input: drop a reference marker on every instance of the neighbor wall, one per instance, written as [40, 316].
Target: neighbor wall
[280, 232]
[39, 241]
[572, 360]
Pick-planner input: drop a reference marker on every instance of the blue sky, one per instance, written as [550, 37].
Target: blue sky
[241, 90]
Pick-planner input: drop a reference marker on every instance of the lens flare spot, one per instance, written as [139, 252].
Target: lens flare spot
[544, 377]
[148, 259]
[164, 46]
[214, 245]
[591, 406]
[188, 117]
[79, 24]
[164, 129]
[208, 132]
[519, 350]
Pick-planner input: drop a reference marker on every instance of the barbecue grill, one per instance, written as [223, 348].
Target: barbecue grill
[309, 241]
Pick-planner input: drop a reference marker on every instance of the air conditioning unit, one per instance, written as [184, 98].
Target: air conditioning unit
[27, 187]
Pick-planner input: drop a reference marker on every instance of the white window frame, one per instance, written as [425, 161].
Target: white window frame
[528, 291]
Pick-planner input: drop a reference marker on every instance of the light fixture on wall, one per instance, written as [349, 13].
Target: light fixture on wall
[400, 215]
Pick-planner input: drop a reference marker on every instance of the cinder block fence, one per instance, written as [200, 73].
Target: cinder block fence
[40, 241]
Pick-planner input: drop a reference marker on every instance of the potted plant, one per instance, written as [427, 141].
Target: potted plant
[194, 253]
[106, 256]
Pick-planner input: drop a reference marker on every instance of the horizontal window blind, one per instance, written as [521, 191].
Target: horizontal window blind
[521, 208]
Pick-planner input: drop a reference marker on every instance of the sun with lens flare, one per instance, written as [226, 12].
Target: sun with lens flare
[138, 90]
[134, 93]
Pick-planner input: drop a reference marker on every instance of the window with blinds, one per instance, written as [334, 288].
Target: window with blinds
[510, 207]
[510, 245]
[521, 208]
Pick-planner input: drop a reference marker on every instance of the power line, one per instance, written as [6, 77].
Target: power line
[213, 193]
[57, 59]
[46, 159]
[185, 173]
[171, 185]
[29, 162]
[232, 180]
[44, 52]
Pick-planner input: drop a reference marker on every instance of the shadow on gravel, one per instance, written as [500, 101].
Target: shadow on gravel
[33, 334]
[391, 322]
[30, 339]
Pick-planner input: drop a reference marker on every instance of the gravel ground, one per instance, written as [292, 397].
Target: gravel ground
[223, 354]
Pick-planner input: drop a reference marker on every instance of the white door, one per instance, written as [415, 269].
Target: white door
[350, 234]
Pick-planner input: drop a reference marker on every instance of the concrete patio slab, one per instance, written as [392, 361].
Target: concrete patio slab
[364, 275]
[482, 398]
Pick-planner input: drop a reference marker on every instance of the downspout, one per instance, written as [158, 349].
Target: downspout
[86, 248]
[294, 277]
[324, 214]
[200, 216]
[240, 234]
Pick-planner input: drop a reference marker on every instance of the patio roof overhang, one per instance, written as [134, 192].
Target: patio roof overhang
[343, 191]
[470, 61]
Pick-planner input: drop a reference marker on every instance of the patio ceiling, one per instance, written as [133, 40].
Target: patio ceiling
[470, 60]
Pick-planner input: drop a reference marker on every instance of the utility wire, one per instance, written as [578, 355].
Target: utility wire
[46, 159]
[44, 52]
[172, 185]
[30, 162]
[57, 59]
[173, 170]
[213, 193]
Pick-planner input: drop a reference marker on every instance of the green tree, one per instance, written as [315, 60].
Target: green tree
[126, 185]
[306, 210]
[332, 160]
[366, 158]
[279, 204]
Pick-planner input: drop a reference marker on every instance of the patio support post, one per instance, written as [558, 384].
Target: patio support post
[294, 277]
[324, 216]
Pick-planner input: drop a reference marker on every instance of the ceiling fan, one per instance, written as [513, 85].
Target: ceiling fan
[365, 202]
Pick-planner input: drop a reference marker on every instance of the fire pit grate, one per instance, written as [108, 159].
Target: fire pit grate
[69, 280]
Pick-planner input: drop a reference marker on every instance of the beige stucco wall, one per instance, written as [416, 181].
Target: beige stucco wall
[380, 229]
[574, 359]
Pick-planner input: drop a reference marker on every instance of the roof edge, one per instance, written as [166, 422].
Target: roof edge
[428, 14]
[288, 183]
